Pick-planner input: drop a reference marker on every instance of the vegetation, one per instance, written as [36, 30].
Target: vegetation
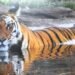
[4, 2]
[69, 5]
[41, 3]
[30, 3]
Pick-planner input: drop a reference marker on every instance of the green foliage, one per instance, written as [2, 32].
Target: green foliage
[30, 3]
[40, 3]
[35, 3]
[4, 2]
[69, 5]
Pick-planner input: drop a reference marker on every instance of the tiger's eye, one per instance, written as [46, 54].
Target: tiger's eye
[9, 26]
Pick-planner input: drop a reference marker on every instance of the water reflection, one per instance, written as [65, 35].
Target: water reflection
[59, 61]
[58, 51]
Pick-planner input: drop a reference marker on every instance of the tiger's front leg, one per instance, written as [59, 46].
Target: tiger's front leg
[18, 65]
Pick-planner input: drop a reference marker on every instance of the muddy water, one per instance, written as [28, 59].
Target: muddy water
[6, 69]
[60, 65]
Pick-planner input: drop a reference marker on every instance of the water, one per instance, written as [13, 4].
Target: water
[63, 63]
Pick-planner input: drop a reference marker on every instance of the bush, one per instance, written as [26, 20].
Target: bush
[69, 5]
[30, 3]
[4, 2]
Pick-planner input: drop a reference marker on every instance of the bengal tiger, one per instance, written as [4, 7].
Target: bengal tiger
[22, 46]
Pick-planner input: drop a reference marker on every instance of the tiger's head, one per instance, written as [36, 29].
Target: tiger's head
[9, 31]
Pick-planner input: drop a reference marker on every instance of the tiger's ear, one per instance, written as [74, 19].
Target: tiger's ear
[15, 10]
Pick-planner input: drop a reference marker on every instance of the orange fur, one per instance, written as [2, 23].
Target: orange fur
[42, 44]
[47, 49]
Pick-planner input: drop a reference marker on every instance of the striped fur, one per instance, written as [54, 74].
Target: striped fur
[48, 43]
[34, 45]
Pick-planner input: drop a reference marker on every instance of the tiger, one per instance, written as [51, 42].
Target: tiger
[22, 46]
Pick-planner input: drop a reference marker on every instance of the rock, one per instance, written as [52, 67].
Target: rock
[54, 13]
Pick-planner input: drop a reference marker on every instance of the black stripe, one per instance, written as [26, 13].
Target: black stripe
[43, 43]
[69, 31]
[53, 43]
[58, 50]
[56, 35]
[62, 32]
[68, 48]
[35, 35]
[73, 30]
[68, 34]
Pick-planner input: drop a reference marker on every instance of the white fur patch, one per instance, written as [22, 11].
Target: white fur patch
[6, 42]
[70, 42]
[24, 49]
[8, 19]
